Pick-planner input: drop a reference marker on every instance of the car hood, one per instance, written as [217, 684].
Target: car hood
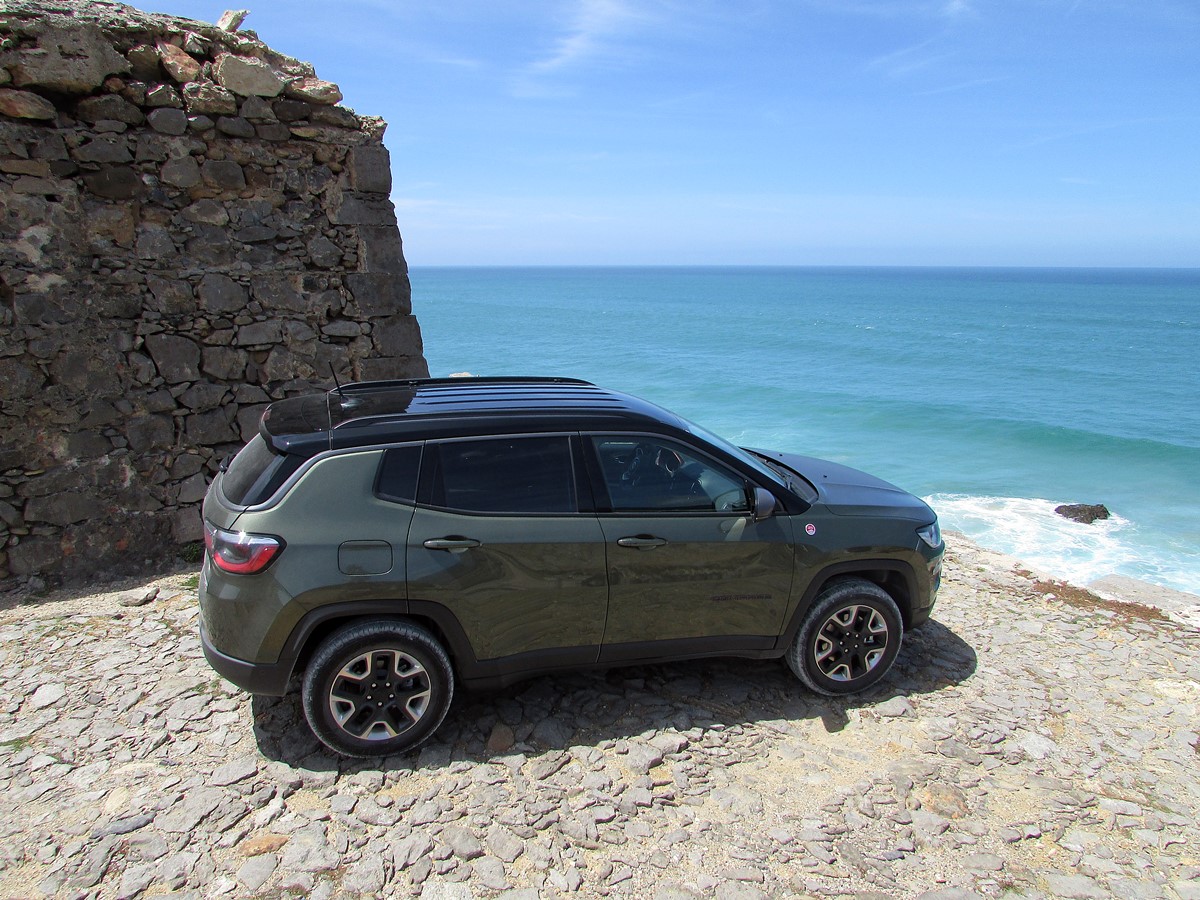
[849, 492]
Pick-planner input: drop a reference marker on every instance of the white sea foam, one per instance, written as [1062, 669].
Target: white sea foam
[1053, 545]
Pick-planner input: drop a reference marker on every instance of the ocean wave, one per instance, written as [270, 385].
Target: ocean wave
[1030, 530]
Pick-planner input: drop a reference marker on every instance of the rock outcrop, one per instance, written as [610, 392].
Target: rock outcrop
[1087, 513]
[190, 227]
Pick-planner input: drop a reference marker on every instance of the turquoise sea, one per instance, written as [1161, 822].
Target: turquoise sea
[996, 394]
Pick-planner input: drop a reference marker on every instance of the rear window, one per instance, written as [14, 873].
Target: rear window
[256, 473]
[398, 474]
[505, 475]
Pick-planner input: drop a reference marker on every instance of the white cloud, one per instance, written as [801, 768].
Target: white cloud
[594, 23]
[595, 30]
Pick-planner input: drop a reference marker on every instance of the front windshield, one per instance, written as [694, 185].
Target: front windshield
[733, 450]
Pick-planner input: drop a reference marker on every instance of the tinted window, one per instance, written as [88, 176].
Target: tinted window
[654, 475]
[398, 474]
[255, 473]
[505, 475]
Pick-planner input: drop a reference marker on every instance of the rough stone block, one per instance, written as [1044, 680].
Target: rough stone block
[209, 428]
[235, 126]
[144, 60]
[272, 131]
[104, 150]
[201, 396]
[40, 187]
[325, 254]
[382, 368]
[206, 98]
[115, 183]
[350, 208]
[276, 292]
[172, 297]
[259, 333]
[69, 61]
[110, 222]
[178, 62]
[163, 95]
[291, 110]
[209, 212]
[224, 363]
[223, 174]
[314, 90]
[177, 358]
[109, 106]
[62, 509]
[33, 555]
[380, 251]
[21, 378]
[247, 76]
[397, 336]
[371, 169]
[191, 490]
[187, 526]
[168, 120]
[149, 432]
[220, 293]
[154, 242]
[181, 173]
[25, 105]
[49, 146]
[88, 445]
[381, 295]
[283, 363]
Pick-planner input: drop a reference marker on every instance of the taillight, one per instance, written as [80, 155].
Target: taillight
[240, 553]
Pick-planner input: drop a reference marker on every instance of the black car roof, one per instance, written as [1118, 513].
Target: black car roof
[374, 412]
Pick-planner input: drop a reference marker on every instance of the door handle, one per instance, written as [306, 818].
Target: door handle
[641, 543]
[451, 544]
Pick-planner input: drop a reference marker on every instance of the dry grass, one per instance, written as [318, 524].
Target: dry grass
[1082, 598]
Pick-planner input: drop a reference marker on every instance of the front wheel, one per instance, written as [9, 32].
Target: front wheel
[848, 640]
[377, 687]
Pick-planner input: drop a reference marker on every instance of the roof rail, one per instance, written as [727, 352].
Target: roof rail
[367, 386]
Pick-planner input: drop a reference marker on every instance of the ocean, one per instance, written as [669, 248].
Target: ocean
[995, 394]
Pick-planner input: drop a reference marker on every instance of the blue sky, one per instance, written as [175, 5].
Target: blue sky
[809, 132]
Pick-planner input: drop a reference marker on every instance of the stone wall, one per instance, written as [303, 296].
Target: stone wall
[190, 227]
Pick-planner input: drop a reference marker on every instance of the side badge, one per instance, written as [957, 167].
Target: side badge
[810, 529]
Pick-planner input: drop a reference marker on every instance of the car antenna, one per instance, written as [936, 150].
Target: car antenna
[337, 384]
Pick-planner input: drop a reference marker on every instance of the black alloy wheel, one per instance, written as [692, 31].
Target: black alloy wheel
[849, 639]
[377, 687]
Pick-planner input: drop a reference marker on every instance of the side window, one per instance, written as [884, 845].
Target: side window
[256, 473]
[397, 479]
[505, 475]
[652, 474]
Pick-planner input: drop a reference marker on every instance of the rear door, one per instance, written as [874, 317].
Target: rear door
[498, 539]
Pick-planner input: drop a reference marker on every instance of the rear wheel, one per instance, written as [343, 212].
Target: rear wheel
[848, 640]
[377, 687]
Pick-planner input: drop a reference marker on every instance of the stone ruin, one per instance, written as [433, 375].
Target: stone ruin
[191, 226]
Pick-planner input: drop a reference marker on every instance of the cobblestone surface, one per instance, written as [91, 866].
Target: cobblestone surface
[1032, 742]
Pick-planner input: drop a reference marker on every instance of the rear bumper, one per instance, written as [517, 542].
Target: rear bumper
[256, 678]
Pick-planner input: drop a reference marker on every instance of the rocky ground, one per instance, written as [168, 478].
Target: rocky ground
[1033, 741]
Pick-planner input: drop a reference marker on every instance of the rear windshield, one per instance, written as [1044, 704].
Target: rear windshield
[255, 473]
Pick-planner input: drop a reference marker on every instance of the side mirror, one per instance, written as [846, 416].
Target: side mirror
[764, 504]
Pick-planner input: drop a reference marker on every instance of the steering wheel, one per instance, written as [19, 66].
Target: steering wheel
[641, 462]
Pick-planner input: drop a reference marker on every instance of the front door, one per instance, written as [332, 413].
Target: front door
[686, 562]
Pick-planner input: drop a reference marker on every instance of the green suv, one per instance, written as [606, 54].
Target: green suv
[391, 539]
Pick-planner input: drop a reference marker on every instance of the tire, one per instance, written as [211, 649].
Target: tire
[848, 640]
[357, 715]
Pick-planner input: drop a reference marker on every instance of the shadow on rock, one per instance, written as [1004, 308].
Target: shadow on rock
[592, 707]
